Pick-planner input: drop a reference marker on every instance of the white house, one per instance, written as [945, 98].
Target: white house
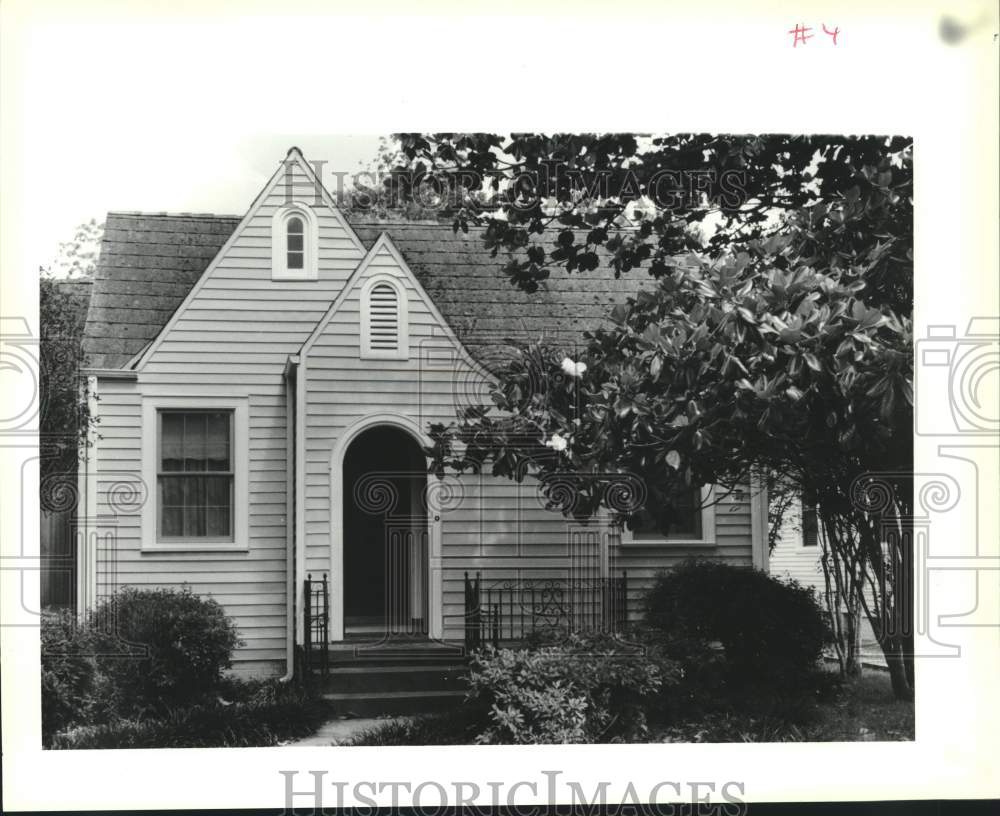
[264, 384]
[797, 555]
[797, 550]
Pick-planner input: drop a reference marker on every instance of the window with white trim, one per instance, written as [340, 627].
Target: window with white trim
[384, 320]
[294, 243]
[194, 480]
[694, 522]
[195, 452]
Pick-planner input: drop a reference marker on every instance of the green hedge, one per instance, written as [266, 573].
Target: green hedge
[771, 632]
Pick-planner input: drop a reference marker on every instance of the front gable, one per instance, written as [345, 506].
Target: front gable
[261, 295]
[389, 313]
[384, 342]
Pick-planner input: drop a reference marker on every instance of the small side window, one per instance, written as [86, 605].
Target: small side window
[810, 526]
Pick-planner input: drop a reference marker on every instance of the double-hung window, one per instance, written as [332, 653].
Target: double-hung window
[195, 465]
[195, 475]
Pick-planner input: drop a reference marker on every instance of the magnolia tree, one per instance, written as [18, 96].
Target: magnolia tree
[772, 340]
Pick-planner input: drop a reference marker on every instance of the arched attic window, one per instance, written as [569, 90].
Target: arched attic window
[295, 246]
[384, 330]
[294, 243]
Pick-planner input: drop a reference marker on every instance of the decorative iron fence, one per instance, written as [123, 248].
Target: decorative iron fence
[316, 625]
[510, 610]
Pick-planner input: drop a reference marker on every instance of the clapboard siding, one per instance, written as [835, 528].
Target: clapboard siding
[490, 527]
[496, 527]
[233, 336]
[789, 559]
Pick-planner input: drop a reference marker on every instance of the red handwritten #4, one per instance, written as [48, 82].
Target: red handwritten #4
[801, 34]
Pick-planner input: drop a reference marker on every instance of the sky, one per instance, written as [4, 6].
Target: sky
[221, 174]
[155, 118]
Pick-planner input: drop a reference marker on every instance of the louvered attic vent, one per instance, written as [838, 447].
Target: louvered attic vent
[383, 321]
[383, 318]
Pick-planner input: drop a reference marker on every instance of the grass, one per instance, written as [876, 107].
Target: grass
[865, 710]
[862, 709]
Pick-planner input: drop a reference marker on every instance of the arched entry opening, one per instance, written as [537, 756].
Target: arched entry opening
[385, 535]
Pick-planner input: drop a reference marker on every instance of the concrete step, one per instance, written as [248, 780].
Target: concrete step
[394, 654]
[344, 677]
[369, 704]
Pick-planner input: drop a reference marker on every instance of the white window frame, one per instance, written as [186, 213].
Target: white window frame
[707, 528]
[402, 350]
[151, 408]
[279, 244]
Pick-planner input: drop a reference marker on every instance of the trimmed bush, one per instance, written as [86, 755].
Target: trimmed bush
[176, 647]
[173, 647]
[771, 632]
[141, 653]
[585, 689]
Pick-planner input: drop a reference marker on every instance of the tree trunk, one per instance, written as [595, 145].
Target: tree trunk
[891, 629]
[852, 636]
[858, 559]
[894, 657]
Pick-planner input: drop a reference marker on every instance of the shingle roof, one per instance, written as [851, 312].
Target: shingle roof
[149, 262]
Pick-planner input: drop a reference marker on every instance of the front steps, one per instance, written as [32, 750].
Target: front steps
[396, 677]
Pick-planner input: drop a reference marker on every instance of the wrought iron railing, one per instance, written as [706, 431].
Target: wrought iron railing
[316, 614]
[511, 610]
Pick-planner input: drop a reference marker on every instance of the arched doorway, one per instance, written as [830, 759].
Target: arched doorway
[385, 537]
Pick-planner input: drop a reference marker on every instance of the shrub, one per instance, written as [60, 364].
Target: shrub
[274, 714]
[172, 649]
[586, 689]
[68, 672]
[771, 632]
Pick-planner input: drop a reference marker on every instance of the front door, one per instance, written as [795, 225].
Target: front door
[385, 536]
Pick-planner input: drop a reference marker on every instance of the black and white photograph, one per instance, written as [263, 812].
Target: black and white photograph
[523, 439]
[511, 439]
